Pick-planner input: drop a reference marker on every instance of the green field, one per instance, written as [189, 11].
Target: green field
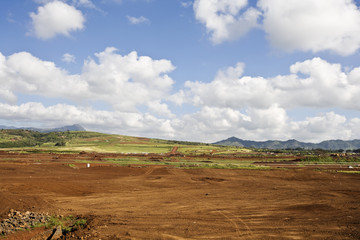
[99, 142]
[141, 151]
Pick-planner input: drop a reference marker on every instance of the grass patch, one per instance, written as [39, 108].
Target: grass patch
[350, 171]
[73, 166]
[77, 141]
[68, 224]
[330, 160]
[179, 162]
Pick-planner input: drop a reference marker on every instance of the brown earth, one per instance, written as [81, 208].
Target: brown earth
[149, 202]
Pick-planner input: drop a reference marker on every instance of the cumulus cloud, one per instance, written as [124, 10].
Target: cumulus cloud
[127, 81]
[5, 93]
[224, 19]
[324, 126]
[311, 83]
[138, 88]
[211, 124]
[138, 124]
[312, 25]
[322, 25]
[55, 18]
[216, 123]
[137, 20]
[31, 75]
[68, 58]
[257, 107]
[124, 82]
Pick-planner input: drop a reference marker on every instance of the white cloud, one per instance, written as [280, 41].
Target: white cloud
[211, 124]
[160, 109]
[312, 25]
[84, 3]
[257, 108]
[137, 89]
[124, 82]
[137, 124]
[8, 96]
[68, 58]
[325, 126]
[322, 25]
[311, 83]
[234, 93]
[224, 20]
[30, 75]
[127, 81]
[5, 74]
[55, 18]
[186, 4]
[231, 72]
[135, 20]
[214, 123]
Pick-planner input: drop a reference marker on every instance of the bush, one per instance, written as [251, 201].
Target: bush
[60, 144]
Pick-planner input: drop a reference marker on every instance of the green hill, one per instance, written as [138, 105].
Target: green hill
[77, 141]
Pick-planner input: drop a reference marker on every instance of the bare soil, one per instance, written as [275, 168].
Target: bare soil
[160, 202]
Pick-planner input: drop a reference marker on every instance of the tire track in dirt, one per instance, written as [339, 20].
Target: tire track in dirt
[234, 220]
[168, 236]
[149, 171]
[237, 229]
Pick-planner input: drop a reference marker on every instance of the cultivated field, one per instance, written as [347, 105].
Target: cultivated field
[171, 190]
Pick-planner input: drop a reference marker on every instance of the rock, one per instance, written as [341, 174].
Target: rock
[57, 233]
[44, 235]
[20, 221]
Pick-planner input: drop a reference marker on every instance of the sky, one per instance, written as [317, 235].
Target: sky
[201, 70]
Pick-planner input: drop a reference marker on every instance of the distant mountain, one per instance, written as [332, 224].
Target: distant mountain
[291, 144]
[75, 127]
[7, 127]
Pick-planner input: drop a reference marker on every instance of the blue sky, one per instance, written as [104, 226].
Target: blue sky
[190, 70]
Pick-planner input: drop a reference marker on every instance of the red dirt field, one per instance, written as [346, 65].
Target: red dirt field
[160, 202]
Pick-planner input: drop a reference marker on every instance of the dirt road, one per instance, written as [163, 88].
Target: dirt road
[168, 203]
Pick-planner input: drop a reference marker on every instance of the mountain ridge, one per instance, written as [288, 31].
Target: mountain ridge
[292, 144]
[74, 127]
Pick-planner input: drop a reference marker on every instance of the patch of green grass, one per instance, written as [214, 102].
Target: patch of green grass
[68, 224]
[133, 160]
[179, 162]
[349, 171]
[73, 166]
[330, 160]
[80, 223]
